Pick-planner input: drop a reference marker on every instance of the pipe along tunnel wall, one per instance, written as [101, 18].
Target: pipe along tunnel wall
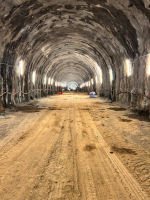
[101, 45]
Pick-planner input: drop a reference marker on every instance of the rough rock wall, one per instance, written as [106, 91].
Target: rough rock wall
[69, 41]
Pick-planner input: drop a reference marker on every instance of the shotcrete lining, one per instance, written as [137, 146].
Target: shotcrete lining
[96, 29]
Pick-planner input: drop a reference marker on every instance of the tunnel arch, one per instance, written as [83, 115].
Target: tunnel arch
[76, 41]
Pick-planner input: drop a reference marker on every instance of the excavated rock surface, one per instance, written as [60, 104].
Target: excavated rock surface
[68, 39]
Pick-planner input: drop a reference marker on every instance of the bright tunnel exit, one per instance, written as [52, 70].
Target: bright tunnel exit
[72, 86]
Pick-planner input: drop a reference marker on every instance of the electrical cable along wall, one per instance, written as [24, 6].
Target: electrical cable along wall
[100, 45]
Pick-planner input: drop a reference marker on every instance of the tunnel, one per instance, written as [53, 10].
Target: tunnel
[76, 47]
[101, 45]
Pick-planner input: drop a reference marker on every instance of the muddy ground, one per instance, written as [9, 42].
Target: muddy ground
[71, 147]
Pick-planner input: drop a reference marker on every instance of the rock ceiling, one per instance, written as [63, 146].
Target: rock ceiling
[69, 40]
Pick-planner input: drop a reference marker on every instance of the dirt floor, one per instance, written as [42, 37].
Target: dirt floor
[71, 147]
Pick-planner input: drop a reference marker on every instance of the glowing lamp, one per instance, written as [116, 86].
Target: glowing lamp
[111, 74]
[96, 79]
[148, 65]
[33, 77]
[49, 81]
[21, 65]
[128, 67]
[45, 80]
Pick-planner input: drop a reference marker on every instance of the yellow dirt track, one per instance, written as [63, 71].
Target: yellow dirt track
[76, 149]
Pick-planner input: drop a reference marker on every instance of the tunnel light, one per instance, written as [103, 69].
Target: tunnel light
[110, 74]
[45, 80]
[96, 79]
[128, 67]
[49, 81]
[148, 65]
[89, 83]
[82, 85]
[56, 83]
[149, 70]
[63, 85]
[52, 81]
[100, 75]
[33, 77]
[92, 81]
[21, 66]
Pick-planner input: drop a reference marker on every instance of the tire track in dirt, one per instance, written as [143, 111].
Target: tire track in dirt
[63, 167]
[129, 182]
[84, 172]
[103, 175]
[64, 156]
[27, 159]
[126, 135]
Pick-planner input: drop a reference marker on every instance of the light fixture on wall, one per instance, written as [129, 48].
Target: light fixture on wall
[52, 81]
[45, 79]
[82, 85]
[128, 67]
[100, 75]
[63, 85]
[49, 81]
[96, 79]
[89, 83]
[21, 67]
[148, 65]
[92, 81]
[110, 74]
[149, 70]
[33, 77]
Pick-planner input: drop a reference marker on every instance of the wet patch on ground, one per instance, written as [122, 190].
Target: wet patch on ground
[89, 147]
[125, 120]
[140, 115]
[112, 104]
[124, 150]
[97, 102]
[23, 137]
[28, 109]
[117, 109]
[54, 109]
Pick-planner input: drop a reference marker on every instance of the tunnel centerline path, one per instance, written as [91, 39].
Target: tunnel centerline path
[64, 156]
